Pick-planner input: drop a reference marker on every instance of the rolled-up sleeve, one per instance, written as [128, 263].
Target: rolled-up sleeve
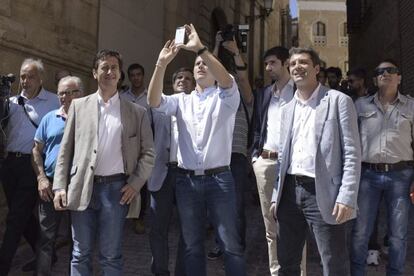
[230, 96]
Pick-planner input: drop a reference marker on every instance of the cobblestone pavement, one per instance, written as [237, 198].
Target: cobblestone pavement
[137, 255]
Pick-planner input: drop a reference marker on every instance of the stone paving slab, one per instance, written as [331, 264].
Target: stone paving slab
[137, 255]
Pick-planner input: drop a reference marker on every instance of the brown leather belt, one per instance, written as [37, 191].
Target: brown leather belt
[267, 154]
[109, 178]
[384, 167]
[207, 172]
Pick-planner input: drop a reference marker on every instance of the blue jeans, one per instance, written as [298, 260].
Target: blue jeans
[197, 194]
[103, 220]
[394, 186]
[162, 204]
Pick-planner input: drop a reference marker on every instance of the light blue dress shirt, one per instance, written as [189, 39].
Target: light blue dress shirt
[205, 125]
[20, 131]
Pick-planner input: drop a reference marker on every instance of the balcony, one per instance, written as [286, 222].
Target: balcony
[319, 40]
[343, 41]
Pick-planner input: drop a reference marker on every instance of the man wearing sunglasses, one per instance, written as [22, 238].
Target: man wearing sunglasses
[386, 126]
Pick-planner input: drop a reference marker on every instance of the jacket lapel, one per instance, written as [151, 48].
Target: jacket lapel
[322, 107]
[94, 112]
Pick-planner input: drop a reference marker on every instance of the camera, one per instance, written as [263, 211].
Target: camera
[5, 84]
[228, 32]
[239, 32]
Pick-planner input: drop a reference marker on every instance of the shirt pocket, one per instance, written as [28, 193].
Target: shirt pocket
[404, 122]
[366, 120]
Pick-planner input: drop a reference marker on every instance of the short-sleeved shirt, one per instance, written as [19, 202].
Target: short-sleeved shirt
[50, 133]
[386, 135]
[205, 124]
[20, 131]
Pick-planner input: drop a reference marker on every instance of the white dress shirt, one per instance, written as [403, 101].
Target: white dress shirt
[279, 99]
[205, 125]
[173, 140]
[303, 136]
[109, 156]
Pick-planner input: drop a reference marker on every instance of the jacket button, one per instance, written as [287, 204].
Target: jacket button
[94, 151]
[91, 167]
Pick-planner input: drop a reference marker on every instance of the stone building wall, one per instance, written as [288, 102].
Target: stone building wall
[61, 33]
[381, 29]
[334, 51]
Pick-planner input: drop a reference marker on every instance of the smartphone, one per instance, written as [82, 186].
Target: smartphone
[179, 35]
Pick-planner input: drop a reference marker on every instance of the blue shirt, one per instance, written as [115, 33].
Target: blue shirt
[50, 133]
[20, 131]
[205, 125]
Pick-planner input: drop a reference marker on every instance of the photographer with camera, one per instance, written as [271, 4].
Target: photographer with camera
[226, 46]
[18, 178]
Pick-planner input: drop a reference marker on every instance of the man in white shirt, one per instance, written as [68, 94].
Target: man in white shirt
[205, 120]
[106, 155]
[320, 165]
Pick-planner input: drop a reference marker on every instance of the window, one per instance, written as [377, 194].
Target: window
[343, 34]
[319, 29]
[319, 34]
[344, 29]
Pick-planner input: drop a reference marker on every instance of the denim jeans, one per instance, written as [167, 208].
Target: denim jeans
[162, 204]
[197, 194]
[394, 186]
[297, 213]
[239, 170]
[103, 220]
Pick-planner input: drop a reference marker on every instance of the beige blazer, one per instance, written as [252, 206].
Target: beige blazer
[76, 161]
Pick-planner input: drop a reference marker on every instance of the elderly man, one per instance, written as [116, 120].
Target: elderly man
[205, 120]
[319, 170]
[106, 156]
[386, 122]
[47, 143]
[18, 178]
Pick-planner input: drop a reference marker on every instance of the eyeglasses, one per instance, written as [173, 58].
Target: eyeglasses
[60, 94]
[389, 70]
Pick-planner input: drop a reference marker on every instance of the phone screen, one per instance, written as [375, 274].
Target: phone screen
[179, 35]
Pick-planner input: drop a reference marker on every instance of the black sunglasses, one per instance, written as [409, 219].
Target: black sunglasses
[389, 70]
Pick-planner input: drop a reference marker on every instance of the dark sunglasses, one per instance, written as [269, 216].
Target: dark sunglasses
[389, 70]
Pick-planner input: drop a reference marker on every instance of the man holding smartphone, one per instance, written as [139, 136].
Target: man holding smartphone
[205, 120]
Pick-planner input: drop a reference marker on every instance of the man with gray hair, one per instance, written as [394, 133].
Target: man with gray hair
[18, 178]
[45, 151]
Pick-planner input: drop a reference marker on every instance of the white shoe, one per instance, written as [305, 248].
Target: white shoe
[373, 257]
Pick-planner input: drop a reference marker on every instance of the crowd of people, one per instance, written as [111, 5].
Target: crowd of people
[324, 158]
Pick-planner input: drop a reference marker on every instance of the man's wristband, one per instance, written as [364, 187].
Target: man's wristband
[202, 50]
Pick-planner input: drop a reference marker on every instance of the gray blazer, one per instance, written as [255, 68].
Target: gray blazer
[338, 153]
[77, 156]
